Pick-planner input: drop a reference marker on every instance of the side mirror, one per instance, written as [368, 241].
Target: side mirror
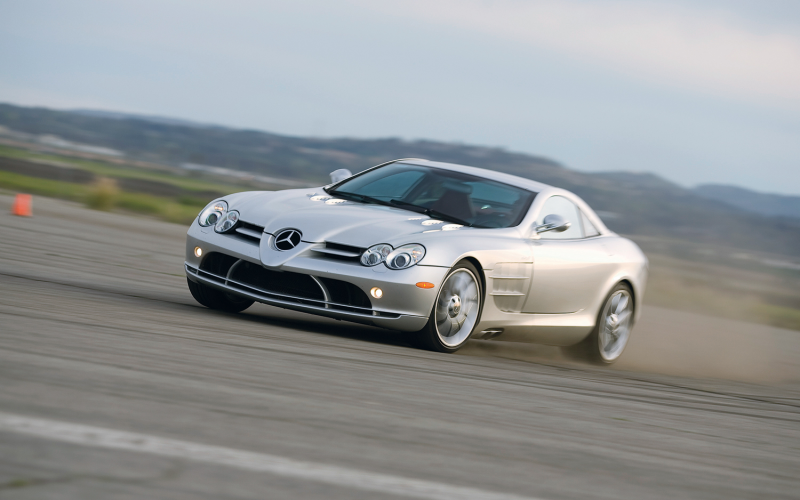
[340, 175]
[553, 222]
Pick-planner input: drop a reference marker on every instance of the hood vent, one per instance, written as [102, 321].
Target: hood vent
[249, 232]
[337, 250]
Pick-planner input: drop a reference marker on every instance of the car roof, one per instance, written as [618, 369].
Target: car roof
[536, 187]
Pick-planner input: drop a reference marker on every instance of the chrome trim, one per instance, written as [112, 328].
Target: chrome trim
[268, 297]
[230, 271]
[489, 334]
[285, 236]
[510, 277]
[325, 294]
[508, 294]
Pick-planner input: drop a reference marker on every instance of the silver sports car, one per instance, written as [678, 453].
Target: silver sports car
[444, 251]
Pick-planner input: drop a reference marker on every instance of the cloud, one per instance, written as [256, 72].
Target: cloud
[695, 49]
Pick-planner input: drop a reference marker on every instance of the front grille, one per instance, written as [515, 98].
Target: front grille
[346, 293]
[286, 286]
[217, 263]
[281, 283]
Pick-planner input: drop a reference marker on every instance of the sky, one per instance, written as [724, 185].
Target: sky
[702, 91]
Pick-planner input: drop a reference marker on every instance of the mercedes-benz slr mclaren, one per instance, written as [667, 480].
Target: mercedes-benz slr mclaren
[445, 252]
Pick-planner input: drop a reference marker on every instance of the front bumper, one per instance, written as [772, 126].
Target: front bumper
[403, 305]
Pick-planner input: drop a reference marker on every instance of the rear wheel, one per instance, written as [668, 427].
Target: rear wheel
[455, 313]
[217, 299]
[611, 333]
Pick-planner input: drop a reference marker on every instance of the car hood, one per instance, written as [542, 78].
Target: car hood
[320, 217]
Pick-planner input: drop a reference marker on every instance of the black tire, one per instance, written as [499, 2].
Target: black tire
[217, 299]
[591, 349]
[429, 337]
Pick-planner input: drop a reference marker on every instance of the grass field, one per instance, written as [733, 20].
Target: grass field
[684, 276]
[166, 175]
[162, 207]
[196, 192]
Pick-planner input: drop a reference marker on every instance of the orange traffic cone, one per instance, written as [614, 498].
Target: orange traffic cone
[22, 205]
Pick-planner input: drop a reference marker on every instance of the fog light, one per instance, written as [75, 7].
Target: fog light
[425, 284]
[376, 292]
[198, 252]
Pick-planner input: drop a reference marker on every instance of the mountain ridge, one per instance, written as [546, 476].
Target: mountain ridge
[768, 204]
[635, 203]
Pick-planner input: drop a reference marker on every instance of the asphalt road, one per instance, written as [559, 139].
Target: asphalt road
[114, 383]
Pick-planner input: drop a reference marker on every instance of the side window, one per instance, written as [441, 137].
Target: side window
[565, 208]
[588, 228]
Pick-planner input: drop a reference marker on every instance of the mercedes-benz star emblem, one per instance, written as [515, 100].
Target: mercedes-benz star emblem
[287, 239]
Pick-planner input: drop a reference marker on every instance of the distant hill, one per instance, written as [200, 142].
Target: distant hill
[630, 203]
[165, 140]
[128, 116]
[752, 201]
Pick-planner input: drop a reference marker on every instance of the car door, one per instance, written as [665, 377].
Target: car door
[569, 267]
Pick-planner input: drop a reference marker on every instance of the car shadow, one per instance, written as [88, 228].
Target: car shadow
[262, 314]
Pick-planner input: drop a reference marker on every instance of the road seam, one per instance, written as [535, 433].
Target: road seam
[100, 437]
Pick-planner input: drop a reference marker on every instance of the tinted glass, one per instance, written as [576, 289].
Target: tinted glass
[588, 228]
[393, 186]
[565, 208]
[478, 201]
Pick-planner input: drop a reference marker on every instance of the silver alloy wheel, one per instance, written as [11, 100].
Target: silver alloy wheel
[457, 307]
[615, 325]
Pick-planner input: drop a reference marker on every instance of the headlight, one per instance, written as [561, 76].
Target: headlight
[212, 213]
[405, 256]
[375, 254]
[227, 222]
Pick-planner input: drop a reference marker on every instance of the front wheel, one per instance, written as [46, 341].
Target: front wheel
[611, 333]
[455, 313]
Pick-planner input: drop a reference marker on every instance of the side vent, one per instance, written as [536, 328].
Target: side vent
[510, 284]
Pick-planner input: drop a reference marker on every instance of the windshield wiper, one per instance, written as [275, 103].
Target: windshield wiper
[358, 197]
[429, 212]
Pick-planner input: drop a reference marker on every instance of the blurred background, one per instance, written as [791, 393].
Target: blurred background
[679, 122]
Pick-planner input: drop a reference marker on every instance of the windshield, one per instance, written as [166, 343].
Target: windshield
[440, 193]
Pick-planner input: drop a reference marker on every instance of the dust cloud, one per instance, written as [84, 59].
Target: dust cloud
[680, 343]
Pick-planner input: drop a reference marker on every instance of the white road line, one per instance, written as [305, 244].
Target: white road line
[262, 462]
